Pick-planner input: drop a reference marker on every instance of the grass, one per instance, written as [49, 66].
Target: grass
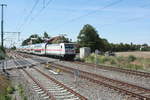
[5, 88]
[21, 92]
[129, 62]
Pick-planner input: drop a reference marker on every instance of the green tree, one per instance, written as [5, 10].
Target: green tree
[46, 35]
[13, 48]
[106, 45]
[88, 37]
[34, 38]
[61, 39]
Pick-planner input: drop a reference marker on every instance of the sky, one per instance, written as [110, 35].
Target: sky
[116, 20]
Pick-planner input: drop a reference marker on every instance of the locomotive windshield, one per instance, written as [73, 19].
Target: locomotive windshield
[69, 46]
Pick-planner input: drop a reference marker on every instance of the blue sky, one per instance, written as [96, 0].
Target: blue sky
[126, 21]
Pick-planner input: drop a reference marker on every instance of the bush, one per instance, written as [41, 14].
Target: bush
[120, 58]
[103, 59]
[134, 66]
[2, 53]
[112, 61]
[5, 97]
[131, 58]
[10, 90]
[90, 59]
[25, 98]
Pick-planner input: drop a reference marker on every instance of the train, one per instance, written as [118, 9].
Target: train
[61, 50]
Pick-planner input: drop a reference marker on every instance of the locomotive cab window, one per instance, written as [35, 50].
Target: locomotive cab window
[69, 46]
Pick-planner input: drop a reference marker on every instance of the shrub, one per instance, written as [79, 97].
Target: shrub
[134, 66]
[103, 59]
[7, 97]
[24, 98]
[10, 89]
[90, 58]
[2, 53]
[138, 67]
[112, 61]
[120, 58]
[131, 58]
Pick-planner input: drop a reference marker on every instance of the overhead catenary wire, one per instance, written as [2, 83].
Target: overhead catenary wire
[130, 19]
[89, 13]
[28, 16]
[45, 5]
[92, 12]
[40, 11]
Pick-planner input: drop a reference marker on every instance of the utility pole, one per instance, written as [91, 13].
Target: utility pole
[2, 22]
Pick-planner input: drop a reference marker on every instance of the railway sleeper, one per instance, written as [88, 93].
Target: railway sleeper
[43, 95]
[66, 96]
[38, 90]
[58, 90]
[46, 97]
[70, 99]
[55, 89]
[62, 93]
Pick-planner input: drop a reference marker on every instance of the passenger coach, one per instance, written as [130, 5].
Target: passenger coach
[61, 50]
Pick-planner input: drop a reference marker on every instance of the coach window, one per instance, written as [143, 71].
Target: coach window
[61, 46]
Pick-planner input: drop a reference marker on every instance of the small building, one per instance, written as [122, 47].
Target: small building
[84, 52]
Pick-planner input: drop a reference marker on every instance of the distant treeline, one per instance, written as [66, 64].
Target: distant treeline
[35, 39]
[89, 37]
[128, 47]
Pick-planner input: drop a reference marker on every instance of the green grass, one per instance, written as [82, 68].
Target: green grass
[130, 62]
[5, 88]
[5, 97]
[21, 92]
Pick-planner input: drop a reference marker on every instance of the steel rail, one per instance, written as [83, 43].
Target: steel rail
[51, 97]
[90, 77]
[62, 85]
[111, 68]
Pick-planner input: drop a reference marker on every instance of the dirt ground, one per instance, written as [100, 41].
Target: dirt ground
[136, 53]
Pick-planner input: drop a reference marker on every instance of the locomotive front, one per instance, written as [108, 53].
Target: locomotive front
[69, 49]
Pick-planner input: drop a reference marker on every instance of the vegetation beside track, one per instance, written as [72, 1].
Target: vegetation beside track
[6, 88]
[129, 62]
[2, 53]
[21, 92]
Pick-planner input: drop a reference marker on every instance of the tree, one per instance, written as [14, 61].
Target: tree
[46, 35]
[13, 48]
[106, 45]
[88, 37]
[60, 39]
[34, 38]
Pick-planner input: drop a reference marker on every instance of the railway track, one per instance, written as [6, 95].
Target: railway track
[49, 88]
[127, 71]
[129, 89]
